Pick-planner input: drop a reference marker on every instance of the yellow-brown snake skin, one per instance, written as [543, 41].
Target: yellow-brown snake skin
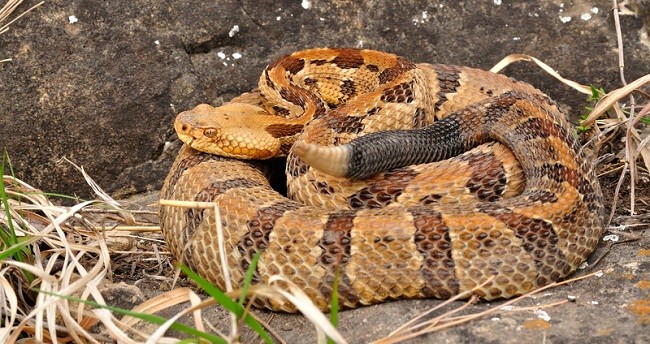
[521, 205]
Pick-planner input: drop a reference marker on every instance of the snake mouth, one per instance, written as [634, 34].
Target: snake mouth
[185, 134]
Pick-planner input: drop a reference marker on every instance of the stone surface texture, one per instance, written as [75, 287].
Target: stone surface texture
[99, 83]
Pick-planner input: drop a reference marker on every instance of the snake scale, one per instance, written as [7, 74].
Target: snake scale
[404, 181]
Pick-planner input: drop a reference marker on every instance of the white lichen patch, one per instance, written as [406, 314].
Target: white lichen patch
[72, 19]
[541, 314]
[306, 4]
[424, 17]
[611, 237]
[585, 16]
[233, 31]
[236, 56]
[563, 18]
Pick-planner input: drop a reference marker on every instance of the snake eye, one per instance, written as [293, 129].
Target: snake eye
[210, 132]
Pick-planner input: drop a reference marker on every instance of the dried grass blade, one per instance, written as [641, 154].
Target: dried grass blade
[186, 204]
[126, 216]
[304, 304]
[8, 296]
[106, 318]
[197, 305]
[229, 304]
[160, 302]
[442, 322]
[523, 57]
[433, 309]
[613, 97]
[9, 8]
[643, 148]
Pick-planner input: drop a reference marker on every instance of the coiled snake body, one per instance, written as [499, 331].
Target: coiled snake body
[516, 197]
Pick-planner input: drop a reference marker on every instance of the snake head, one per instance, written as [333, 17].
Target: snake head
[235, 130]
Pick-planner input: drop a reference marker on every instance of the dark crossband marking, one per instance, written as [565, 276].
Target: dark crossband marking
[373, 68]
[383, 192]
[323, 188]
[540, 127]
[448, 82]
[348, 90]
[348, 124]
[260, 227]
[291, 96]
[319, 62]
[187, 163]
[420, 118]
[430, 199]
[337, 245]
[488, 180]
[389, 74]
[310, 82]
[538, 239]
[349, 59]
[559, 173]
[194, 217]
[293, 65]
[280, 111]
[268, 80]
[400, 93]
[283, 130]
[434, 244]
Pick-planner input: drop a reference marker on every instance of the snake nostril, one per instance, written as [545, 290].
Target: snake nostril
[185, 127]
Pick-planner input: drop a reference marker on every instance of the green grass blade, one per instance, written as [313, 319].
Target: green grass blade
[58, 195]
[227, 303]
[11, 238]
[20, 253]
[334, 303]
[248, 279]
[16, 248]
